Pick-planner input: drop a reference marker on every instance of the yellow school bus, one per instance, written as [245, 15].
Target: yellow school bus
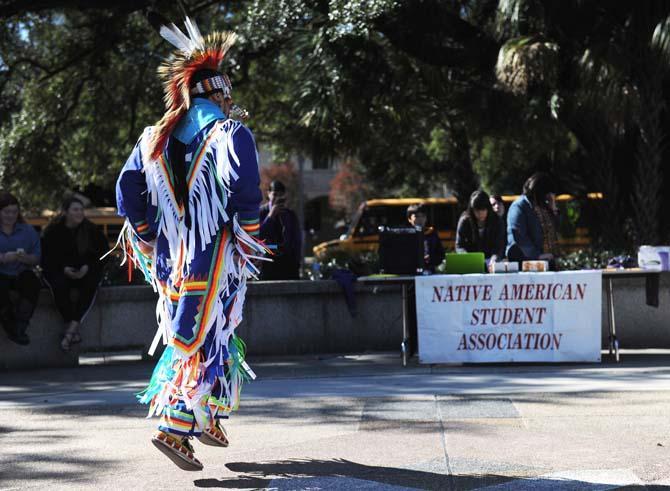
[443, 214]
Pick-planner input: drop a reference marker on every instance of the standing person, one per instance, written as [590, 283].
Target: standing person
[19, 253]
[71, 250]
[433, 255]
[433, 252]
[532, 222]
[190, 194]
[480, 228]
[280, 227]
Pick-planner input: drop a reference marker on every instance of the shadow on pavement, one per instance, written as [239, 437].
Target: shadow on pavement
[344, 474]
[261, 474]
[58, 468]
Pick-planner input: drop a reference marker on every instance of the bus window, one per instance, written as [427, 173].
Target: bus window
[353, 226]
[374, 217]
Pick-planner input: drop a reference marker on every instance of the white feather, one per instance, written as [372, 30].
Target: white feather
[194, 33]
[176, 38]
[186, 43]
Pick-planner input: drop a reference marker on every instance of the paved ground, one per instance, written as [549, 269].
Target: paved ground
[355, 422]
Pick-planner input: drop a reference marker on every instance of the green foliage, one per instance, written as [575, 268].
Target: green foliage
[422, 93]
[82, 100]
[505, 160]
[588, 259]
[361, 264]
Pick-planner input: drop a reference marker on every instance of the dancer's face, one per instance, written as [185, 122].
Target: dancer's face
[223, 102]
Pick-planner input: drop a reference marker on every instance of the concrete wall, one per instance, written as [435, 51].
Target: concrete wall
[286, 318]
[281, 318]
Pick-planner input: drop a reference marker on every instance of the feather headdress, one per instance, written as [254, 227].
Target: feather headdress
[194, 52]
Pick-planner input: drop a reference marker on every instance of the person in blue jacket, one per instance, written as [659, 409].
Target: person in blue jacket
[532, 221]
[19, 254]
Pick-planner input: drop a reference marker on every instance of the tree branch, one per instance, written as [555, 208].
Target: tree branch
[444, 38]
[27, 61]
[9, 8]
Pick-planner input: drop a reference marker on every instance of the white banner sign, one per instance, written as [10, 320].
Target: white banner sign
[513, 317]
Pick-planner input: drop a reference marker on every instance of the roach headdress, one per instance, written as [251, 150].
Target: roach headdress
[194, 53]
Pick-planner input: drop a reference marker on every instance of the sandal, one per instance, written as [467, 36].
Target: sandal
[66, 342]
[215, 436]
[178, 450]
[71, 337]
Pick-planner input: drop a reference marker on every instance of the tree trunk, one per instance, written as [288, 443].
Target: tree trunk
[460, 175]
[648, 180]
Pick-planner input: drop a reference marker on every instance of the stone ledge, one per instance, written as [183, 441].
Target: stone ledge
[276, 288]
[293, 318]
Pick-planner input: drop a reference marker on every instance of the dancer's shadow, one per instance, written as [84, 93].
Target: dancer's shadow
[300, 471]
[343, 474]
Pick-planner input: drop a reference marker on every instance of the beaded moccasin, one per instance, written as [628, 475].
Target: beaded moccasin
[178, 450]
[215, 436]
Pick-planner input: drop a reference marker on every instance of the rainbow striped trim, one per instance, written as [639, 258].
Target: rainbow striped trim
[193, 288]
[252, 227]
[141, 227]
[217, 267]
[171, 294]
[200, 155]
[169, 178]
[177, 422]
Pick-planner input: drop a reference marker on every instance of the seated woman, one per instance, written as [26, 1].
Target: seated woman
[72, 247]
[19, 253]
[532, 222]
[480, 229]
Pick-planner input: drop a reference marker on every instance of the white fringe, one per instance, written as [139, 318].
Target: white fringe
[208, 197]
[208, 194]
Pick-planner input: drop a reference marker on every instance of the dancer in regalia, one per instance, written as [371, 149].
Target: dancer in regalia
[190, 194]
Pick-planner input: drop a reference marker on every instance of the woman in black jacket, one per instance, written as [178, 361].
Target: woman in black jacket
[71, 251]
[480, 229]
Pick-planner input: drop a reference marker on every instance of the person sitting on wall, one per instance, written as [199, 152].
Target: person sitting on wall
[480, 229]
[280, 227]
[72, 247]
[532, 222]
[19, 254]
[433, 252]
